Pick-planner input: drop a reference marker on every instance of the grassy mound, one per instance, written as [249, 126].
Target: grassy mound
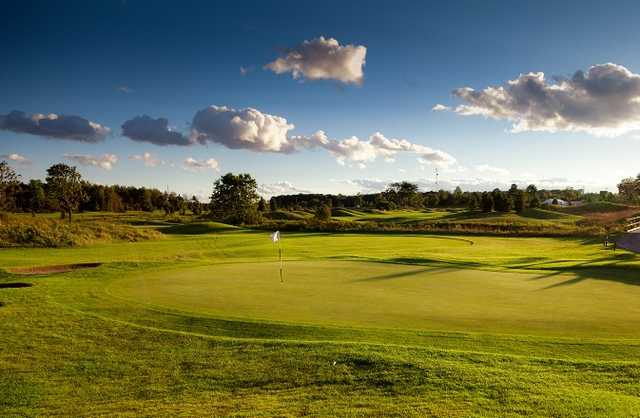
[283, 215]
[597, 207]
[43, 232]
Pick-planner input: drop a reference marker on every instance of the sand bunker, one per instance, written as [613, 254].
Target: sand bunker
[64, 268]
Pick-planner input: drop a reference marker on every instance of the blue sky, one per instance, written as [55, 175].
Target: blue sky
[174, 59]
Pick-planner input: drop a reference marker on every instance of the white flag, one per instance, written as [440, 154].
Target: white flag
[275, 237]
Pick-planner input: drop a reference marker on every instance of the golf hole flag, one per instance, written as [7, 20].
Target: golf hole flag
[275, 237]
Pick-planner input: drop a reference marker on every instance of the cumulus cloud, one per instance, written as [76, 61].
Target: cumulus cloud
[148, 159]
[603, 101]
[322, 59]
[360, 151]
[156, 131]
[106, 161]
[242, 129]
[440, 108]
[279, 188]
[69, 127]
[192, 164]
[16, 158]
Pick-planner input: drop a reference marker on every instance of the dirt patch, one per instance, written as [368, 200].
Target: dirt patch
[14, 285]
[33, 271]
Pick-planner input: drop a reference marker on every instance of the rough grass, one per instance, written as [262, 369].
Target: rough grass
[71, 345]
[47, 232]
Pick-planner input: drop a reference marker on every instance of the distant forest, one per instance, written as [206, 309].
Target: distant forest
[48, 196]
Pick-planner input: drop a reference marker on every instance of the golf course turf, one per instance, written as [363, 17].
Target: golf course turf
[364, 324]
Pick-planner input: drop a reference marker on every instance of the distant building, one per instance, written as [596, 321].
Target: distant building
[556, 202]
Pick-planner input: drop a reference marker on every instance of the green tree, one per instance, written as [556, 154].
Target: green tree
[195, 206]
[235, 199]
[9, 181]
[324, 212]
[519, 201]
[486, 202]
[472, 203]
[36, 198]
[262, 205]
[64, 185]
[629, 189]
[403, 194]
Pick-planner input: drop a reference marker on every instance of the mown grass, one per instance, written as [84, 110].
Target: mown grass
[71, 345]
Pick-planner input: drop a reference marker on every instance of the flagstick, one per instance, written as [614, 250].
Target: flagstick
[280, 254]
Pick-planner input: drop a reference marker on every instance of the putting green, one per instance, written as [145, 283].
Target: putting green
[366, 294]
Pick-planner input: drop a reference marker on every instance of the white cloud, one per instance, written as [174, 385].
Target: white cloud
[124, 89]
[156, 131]
[245, 70]
[360, 152]
[106, 161]
[148, 159]
[279, 188]
[16, 158]
[321, 59]
[192, 164]
[242, 129]
[493, 171]
[604, 101]
[440, 108]
[70, 127]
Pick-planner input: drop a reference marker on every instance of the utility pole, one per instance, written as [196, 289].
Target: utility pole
[437, 174]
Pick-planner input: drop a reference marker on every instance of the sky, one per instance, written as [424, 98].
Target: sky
[329, 97]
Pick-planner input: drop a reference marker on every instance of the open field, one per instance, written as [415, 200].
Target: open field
[365, 324]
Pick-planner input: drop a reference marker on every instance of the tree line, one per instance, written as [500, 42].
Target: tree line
[235, 200]
[65, 191]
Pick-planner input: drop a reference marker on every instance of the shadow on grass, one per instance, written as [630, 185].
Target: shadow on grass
[199, 228]
[400, 275]
[611, 271]
[16, 285]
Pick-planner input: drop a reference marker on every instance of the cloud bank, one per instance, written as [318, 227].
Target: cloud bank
[191, 164]
[70, 127]
[106, 161]
[256, 131]
[156, 131]
[322, 59]
[279, 188]
[360, 151]
[16, 158]
[148, 159]
[604, 101]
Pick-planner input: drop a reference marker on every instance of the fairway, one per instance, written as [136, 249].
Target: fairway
[387, 295]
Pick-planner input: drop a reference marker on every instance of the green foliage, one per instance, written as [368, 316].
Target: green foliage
[234, 199]
[323, 213]
[64, 185]
[9, 181]
[486, 202]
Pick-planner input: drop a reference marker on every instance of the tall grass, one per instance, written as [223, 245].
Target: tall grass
[46, 232]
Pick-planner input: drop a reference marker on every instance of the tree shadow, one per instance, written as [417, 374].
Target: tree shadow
[611, 271]
[196, 228]
[15, 285]
[403, 274]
